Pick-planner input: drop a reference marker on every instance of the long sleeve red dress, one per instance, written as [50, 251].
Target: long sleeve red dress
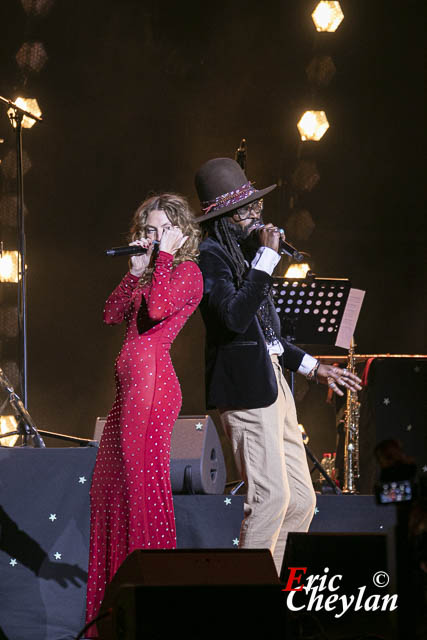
[131, 496]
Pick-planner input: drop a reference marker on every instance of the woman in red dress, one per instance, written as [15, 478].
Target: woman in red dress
[131, 497]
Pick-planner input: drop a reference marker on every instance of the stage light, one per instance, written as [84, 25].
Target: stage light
[313, 125]
[11, 371]
[37, 7]
[8, 210]
[29, 104]
[321, 70]
[327, 16]
[9, 266]
[297, 270]
[300, 225]
[8, 321]
[9, 165]
[306, 176]
[8, 423]
[31, 56]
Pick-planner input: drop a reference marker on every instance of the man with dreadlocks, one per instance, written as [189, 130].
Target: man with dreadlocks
[245, 354]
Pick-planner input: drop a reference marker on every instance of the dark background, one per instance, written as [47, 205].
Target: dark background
[137, 94]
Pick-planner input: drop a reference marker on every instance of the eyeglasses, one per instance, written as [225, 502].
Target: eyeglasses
[251, 210]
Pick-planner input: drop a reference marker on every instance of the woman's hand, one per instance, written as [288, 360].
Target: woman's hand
[172, 240]
[141, 262]
[334, 376]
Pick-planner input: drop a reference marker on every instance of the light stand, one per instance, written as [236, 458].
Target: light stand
[16, 115]
[26, 427]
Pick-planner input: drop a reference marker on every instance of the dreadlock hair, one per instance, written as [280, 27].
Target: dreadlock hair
[223, 230]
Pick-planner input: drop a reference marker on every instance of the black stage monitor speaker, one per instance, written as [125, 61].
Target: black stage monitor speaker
[197, 460]
[195, 569]
[207, 612]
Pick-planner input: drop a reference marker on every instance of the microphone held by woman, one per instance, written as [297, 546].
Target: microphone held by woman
[129, 250]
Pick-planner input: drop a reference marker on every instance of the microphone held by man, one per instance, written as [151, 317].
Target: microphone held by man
[283, 246]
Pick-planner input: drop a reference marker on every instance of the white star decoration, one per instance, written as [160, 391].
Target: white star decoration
[409, 427]
[82, 480]
[199, 426]
[227, 501]
[235, 542]
[386, 401]
[425, 468]
[13, 562]
[52, 517]
[316, 510]
[57, 556]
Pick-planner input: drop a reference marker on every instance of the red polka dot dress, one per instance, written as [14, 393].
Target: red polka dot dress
[131, 497]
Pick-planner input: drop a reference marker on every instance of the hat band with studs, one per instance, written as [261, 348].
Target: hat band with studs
[227, 199]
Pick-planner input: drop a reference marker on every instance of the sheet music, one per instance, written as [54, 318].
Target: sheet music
[350, 317]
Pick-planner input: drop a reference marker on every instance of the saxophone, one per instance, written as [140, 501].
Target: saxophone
[351, 430]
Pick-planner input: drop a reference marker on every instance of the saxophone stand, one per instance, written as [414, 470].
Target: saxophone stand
[315, 310]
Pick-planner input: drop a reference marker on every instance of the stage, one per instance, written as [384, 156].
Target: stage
[45, 535]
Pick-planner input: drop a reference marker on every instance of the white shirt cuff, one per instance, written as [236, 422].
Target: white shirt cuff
[266, 260]
[307, 364]
[275, 348]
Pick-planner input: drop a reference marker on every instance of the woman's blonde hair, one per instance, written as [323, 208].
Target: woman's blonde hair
[178, 211]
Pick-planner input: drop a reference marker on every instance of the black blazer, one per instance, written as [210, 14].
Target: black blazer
[239, 373]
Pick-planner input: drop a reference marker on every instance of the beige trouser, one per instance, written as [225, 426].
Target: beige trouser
[270, 455]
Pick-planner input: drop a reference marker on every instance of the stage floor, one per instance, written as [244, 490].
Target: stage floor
[45, 535]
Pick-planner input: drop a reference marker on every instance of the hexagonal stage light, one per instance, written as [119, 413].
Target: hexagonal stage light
[327, 16]
[7, 424]
[305, 176]
[29, 104]
[8, 211]
[321, 70]
[8, 165]
[8, 321]
[9, 266]
[31, 56]
[313, 125]
[300, 225]
[37, 7]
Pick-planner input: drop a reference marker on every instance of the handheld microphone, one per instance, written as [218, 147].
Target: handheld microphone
[285, 247]
[134, 250]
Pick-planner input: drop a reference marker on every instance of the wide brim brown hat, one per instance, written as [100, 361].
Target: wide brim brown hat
[222, 186]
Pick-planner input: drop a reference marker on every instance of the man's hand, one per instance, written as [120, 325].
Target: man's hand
[269, 236]
[334, 376]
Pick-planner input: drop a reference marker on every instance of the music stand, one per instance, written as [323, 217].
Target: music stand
[321, 311]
